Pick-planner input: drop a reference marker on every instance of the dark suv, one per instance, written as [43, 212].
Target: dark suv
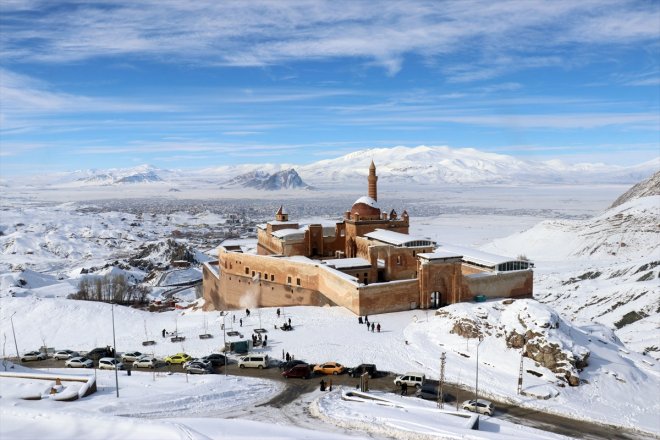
[100, 352]
[302, 371]
[363, 368]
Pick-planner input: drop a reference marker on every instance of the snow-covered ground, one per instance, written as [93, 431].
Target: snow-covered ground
[46, 247]
[621, 390]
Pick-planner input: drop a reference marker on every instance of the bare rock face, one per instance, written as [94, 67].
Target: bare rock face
[466, 328]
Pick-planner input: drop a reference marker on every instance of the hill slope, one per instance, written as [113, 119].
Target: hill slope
[603, 269]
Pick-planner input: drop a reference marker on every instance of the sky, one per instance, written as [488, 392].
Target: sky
[180, 84]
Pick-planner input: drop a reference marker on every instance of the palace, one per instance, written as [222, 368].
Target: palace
[367, 263]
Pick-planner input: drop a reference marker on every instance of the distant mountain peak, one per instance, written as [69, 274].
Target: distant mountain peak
[285, 179]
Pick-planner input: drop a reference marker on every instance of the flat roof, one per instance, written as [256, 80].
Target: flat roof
[440, 255]
[281, 233]
[347, 263]
[395, 238]
[476, 256]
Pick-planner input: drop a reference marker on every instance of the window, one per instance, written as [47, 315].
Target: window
[288, 280]
[253, 273]
[272, 277]
[247, 271]
[298, 281]
[398, 260]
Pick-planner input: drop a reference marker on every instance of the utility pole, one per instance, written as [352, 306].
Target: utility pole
[18, 356]
[114, 348]
[441, 399]
[476, 386]
[520, 373]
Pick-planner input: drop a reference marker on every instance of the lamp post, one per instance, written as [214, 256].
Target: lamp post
[11, 319]
[224, 337]
[476, 386]
[114, 347]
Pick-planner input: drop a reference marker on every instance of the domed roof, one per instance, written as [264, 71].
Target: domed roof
[366, 207]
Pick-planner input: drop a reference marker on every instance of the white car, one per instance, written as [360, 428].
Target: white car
[33, 356]
[110, 364]
[145, 362]
[482, 406]
[131, 356]
[79, 362]
[62, 355]
[203, 362]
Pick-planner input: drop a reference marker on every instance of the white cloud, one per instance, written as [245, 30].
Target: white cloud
[258, 33]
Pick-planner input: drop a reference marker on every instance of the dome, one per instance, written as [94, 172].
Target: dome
[366, 207]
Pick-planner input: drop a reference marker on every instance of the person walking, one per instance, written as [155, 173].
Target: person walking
[266, 339]
[278, 313]
[378, 328]
[359, 319]
[404, 389]
[241, 321]
[163, 332]
[288, 357]
[247, 312]
[322, 385]
[372, 327]
[289, 322]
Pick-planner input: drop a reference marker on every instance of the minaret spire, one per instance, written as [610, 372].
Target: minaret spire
[373, 181]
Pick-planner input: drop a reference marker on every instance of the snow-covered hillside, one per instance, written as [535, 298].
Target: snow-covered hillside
[604, 269]
[285, 179]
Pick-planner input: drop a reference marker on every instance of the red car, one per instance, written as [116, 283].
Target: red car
[301, 371]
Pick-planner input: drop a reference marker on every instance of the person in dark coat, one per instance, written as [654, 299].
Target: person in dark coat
[378, 328]
[322, 385]
[163, 332]
[372, 327]
[289, 322]
[278, 313]
[266, 339]
[359, 319]
[241, 321]
[404, 389]
[288, 357]
[247, 312]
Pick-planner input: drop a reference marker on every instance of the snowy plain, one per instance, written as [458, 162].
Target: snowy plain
[47, 240]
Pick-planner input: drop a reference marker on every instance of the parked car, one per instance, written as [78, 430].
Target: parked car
[216, 359]
[284, 365]
[131, 356]
[79, 362]
[329, 368]
[145, 362]
[33, 356]
[429, 391]
[302, 371]
[411, 379]
[198, 368]
[108, 363]
[65, 354]
[207, 364]
[363, 368]
[99, 352]
[482, 406]
[254, 361]
[178, 358]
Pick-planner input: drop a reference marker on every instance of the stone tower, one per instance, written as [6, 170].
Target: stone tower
[373, 182]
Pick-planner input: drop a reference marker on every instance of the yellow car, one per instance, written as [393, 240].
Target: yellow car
[329, 368]
[178, 358]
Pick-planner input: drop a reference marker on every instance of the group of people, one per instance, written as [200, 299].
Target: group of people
[288, 357]
[370, 325]
[258, 340]
[287, 325]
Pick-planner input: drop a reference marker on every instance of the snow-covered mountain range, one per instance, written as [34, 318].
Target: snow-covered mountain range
[416, 166]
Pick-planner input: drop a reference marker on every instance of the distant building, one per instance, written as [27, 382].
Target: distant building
[367, 263]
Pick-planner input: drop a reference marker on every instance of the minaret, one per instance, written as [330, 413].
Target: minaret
[373, 179]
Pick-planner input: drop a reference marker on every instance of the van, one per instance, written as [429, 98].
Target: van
[254, 361]
[411, 379]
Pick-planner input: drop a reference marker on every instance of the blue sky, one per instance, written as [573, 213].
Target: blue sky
[181, 84]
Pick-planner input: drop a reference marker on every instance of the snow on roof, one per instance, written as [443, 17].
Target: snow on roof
[367, 201]
[277, 222]
[347, 263]
[288, 233]
[213, 267]
[476, 256]
[439, 255]
[395, 238]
